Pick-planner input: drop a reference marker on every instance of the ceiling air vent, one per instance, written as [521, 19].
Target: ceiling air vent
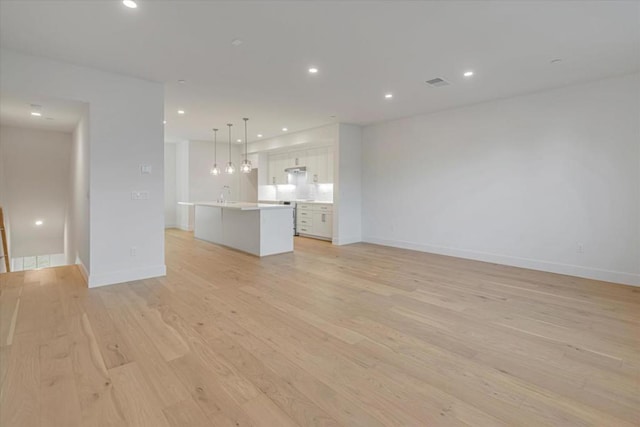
[438, 82]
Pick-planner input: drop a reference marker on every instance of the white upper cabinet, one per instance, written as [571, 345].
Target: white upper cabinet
[312, 165]
[277, 164]
[298, 158]
[319, 165]
[318, 161]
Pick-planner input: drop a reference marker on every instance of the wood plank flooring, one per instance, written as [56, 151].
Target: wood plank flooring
[360, 335]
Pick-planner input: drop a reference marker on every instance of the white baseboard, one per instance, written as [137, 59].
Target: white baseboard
[171, 226]
[122, 276]
[83, 270]
[552, 267]
[347, 240]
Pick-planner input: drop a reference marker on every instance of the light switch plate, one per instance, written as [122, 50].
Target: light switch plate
[145, 169]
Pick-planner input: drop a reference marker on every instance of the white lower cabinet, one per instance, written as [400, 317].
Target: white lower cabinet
[323, 224]
[315, 220]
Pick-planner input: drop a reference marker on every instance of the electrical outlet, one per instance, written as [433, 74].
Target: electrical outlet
[133, 251]
[139, 195]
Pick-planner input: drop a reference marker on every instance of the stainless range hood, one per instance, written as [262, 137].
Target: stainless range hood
[296, 169]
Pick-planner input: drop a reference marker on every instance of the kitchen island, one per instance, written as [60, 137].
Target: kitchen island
[260, 229]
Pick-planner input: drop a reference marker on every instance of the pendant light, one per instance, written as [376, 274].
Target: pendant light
[230, 169]
[246, 164]
[215, 170]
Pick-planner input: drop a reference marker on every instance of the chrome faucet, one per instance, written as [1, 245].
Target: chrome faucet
[221, 199]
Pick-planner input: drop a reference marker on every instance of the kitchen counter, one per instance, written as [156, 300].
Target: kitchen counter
[260, 229]
[243, 206]
[298, 201]
[318, 202]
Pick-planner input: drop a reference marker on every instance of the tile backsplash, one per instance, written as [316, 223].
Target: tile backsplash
[297, 189]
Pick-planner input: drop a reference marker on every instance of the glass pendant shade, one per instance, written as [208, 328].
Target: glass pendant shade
[245, 167]
[215, 170]
[246, 164]
[230, 168]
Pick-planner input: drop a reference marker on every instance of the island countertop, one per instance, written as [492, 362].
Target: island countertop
[242, 206]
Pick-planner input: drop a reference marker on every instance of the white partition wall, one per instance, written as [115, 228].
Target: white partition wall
[170, 186]
[125, 236]
[347, 227]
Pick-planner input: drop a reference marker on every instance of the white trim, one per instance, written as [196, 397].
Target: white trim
[83, 270]
[122, 276]
[347, 240]
[170, 226]
[632, 279]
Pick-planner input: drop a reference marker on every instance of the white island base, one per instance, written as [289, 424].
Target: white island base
[257, 228]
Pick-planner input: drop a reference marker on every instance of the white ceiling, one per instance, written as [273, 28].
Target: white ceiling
[57, 115]
[363, 50]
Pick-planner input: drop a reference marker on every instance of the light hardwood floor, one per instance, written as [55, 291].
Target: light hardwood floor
[361, 335]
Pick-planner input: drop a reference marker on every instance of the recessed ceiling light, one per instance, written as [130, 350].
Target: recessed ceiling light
[313, 70]
[259, 135]
[284, 129]
[36, 110]
[164, 122]
[388, 95]
[130, 4]
[468, 73]
[180, 111]
[238, 140]
[39, 222]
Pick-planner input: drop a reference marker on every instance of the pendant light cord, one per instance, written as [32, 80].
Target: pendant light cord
[215, 146]
[229, 124]
[245, 139]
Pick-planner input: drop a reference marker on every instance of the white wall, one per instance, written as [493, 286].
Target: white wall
[249, 186]
[7, 219]
[548, 181]
[170, 186]
[77, 218]
[36, 174]
[193, 180]
[347, 217]
[125, 130]
[184, 214]
[203, 185]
